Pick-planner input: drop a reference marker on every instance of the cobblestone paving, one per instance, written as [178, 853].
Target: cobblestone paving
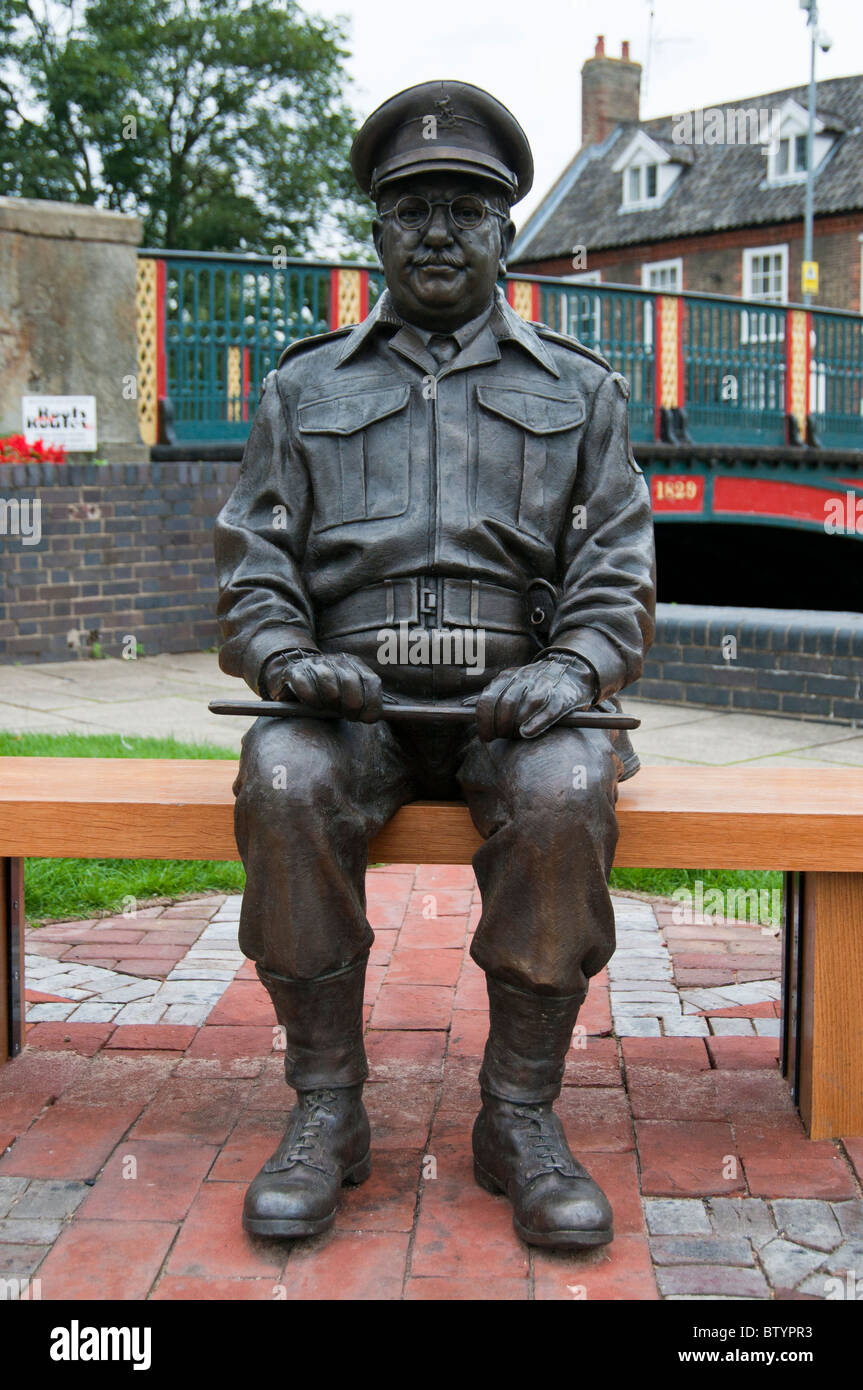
[150, 1092]
[171, 968]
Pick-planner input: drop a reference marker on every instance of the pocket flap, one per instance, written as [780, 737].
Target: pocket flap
[347, 414]
[534, 412]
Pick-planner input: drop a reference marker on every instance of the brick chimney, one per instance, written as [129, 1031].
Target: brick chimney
[610, 90]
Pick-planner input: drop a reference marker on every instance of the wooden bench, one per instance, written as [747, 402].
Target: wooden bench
[807, 823]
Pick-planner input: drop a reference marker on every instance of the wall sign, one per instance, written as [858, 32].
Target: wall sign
[673, 493]
[66, 420]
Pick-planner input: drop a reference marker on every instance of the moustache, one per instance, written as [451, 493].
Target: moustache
[440, 258]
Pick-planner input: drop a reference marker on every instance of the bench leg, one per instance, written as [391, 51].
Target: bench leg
[822, 1046]
[11, 958]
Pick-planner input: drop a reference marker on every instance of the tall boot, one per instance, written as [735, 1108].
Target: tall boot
[519, 1144]
[326, 1143]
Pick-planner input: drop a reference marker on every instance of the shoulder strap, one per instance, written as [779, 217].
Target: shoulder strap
[566, 340]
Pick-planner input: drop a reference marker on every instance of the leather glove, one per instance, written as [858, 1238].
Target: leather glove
[528, 700]
[334, 682]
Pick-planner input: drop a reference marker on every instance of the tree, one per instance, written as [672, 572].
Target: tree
[220, 122]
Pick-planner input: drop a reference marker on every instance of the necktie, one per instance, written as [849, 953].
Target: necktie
[443, 348]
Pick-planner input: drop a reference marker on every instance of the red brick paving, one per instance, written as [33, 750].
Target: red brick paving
[676, 1054]
[148, 1180]
[198, 1110]
[213, 1243]
[84, 1038]
[622, 1270]
[105, 1260]
[688, 1158]
[743, 1053]
[854, 1150]
[173, 1288]
[346, 1266]
[168, 1036]
[68, 1141]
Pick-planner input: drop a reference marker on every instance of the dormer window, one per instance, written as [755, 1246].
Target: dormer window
[648, 171]
[787, 151]
[641, 184]
[791, 155]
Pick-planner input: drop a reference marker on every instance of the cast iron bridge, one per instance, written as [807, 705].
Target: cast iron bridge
[741, 412]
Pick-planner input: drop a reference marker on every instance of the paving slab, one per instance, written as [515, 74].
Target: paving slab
[692, 1223]
[167, 695]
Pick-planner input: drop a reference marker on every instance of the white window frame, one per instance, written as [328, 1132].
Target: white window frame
[794, 121]
[749, 254]
[756, 327]
[643, 200]
[640, 154]
[647, 267]
[676, 264]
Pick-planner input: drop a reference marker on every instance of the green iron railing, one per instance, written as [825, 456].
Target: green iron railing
[618, 324]
[836, 374]
[738, 369]
[734, 364]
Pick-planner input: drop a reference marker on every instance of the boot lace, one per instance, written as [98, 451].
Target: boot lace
[543, 1140]
[318, 1107]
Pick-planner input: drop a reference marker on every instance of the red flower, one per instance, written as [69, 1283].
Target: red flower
[15, 449]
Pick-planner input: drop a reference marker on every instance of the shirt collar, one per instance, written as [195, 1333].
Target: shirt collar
[463, 335]
[478, 339]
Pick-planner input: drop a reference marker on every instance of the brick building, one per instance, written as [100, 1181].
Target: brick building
[709, 200]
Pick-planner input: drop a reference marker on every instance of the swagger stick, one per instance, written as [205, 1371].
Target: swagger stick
[415, 714]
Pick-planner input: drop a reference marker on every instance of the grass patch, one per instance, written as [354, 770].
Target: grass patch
[765, 908]
[79, 888]
[103, 746]
[68, 888]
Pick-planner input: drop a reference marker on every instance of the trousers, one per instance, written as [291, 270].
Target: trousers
[311, 793]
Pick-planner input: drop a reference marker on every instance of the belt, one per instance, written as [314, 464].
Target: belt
[449, 602]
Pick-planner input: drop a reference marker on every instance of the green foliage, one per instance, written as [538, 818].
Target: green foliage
[664, 882]
[82, 888]
[220, 122]
[103, 746]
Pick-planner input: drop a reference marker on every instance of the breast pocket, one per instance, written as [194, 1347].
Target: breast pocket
[525, 454]
[358, 450]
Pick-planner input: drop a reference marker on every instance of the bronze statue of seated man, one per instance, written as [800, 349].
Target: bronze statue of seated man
[442, 470]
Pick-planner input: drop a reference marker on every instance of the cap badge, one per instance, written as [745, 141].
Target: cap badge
[444, 112]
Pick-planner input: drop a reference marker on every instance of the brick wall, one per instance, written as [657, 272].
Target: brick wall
[127, 550]
[713, 264]
[802, 664]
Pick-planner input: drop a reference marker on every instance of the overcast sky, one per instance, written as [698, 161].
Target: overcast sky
[529, 53]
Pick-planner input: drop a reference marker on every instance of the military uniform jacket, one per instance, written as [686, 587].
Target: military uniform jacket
[368, 462]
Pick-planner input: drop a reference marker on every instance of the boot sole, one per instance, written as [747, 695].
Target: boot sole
[555, 1240]
[272, 1226]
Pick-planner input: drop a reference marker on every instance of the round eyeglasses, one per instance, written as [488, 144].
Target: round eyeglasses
[466, 212]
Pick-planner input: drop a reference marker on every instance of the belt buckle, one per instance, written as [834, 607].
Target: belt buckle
[427, 599]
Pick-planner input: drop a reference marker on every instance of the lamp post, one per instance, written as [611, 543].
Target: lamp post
[818, 39]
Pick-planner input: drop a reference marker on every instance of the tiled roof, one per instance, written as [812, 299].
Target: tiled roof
[723, 186]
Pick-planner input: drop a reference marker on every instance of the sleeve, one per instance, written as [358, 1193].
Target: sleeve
[260, 540]
[606, 614]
